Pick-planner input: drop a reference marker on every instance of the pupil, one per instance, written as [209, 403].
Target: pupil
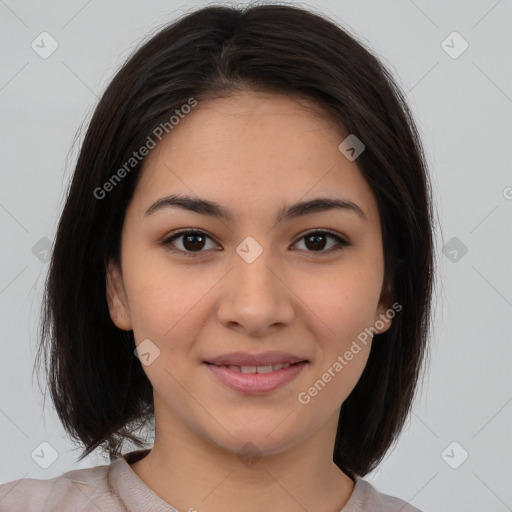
[315, 238]
[190, 237]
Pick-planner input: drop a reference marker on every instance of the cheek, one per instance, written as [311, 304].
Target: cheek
[335, 382]
[342, 303]
[166, 300]
[341, 306]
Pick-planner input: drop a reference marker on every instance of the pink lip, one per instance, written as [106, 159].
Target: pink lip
[247, 359]
[255, 383]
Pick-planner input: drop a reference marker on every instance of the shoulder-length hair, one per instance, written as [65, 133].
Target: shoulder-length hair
[97, 384]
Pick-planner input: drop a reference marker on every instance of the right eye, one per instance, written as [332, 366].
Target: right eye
[192, 241]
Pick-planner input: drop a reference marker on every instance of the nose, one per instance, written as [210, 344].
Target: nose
[255, 296]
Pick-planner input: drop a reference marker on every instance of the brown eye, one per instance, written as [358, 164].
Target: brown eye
[194, 242]
[316, 241]
[191, 241]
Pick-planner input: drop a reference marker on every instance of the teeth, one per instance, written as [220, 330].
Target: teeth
[258, 369]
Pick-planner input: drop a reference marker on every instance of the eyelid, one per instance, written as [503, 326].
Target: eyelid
[326, 231]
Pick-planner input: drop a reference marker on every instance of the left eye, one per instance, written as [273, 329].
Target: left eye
[193, 241]
[318, 238]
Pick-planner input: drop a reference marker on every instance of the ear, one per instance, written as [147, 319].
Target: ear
[116, 297]
[384, 306]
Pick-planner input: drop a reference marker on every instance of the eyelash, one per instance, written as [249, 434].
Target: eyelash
[341, 243]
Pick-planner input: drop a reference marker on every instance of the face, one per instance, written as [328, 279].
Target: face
[252, 280]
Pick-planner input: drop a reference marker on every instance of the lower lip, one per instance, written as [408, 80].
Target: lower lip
[255, 383]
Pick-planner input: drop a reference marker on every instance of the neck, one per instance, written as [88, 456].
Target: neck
[192, 473]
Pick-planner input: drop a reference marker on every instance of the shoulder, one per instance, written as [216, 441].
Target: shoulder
[366, 498]
[78, 490]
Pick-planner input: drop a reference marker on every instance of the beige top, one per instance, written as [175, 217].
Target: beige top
[117, 488]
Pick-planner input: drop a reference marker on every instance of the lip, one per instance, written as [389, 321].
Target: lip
[256, 383]
[261, 359]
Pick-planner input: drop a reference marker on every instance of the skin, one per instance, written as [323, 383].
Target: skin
[253, 153]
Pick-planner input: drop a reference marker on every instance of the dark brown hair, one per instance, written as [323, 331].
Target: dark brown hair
[97, 384]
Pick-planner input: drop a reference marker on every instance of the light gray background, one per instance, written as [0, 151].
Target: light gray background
[463, 109]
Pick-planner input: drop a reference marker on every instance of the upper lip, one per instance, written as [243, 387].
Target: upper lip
[247, 359]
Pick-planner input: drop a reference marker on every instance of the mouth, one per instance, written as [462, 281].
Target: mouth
[255, 375]
[263, 359]
[257, 369]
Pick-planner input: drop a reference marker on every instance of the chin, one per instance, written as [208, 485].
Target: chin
[260, 439]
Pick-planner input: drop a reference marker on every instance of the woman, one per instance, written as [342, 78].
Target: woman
[245, 258]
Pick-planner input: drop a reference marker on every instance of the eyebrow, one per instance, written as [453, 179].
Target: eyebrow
[213, 209]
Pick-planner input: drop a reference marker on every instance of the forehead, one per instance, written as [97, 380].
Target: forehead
[253, 151]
